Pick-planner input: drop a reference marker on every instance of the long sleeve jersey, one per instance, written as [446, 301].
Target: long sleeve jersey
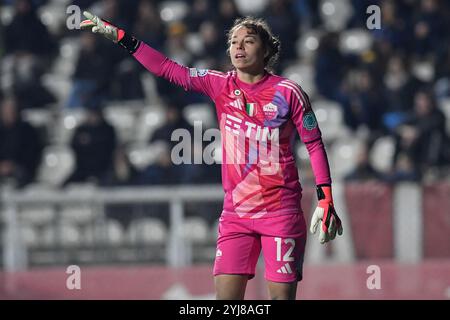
[258, 123]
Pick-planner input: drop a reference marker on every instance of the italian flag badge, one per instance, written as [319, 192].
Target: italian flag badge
[250, 108]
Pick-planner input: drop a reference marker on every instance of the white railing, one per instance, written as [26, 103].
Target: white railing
[177, 250]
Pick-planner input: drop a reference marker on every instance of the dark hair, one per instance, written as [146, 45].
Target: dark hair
[260, 27]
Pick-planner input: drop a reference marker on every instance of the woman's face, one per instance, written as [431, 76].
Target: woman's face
[246, 50]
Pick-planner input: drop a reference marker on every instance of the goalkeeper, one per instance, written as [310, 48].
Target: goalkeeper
[261, 208]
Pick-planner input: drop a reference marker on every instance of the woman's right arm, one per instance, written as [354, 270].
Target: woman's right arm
[208, 82]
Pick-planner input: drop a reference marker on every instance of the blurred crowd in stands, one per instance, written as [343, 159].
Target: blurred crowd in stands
[394, 88]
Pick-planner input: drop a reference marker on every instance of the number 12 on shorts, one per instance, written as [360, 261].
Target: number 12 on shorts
[287, 256]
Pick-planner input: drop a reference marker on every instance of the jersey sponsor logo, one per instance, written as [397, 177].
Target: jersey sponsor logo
[250, 130]
[270, 110]
[233, 124]
[309, 121]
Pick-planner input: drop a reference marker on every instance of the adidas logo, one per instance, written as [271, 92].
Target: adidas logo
[285, 269]
[237, 104]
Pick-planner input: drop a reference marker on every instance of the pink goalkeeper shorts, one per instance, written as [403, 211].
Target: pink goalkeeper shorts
[281, 238]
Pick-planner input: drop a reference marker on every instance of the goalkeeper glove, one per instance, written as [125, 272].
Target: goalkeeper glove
[325, 213]
[110, 31]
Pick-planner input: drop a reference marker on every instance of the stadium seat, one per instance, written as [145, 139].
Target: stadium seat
[70, 234]
[149, 86]
[330, 119]
[57, 164]
[172, 11]
[59, 85]
[251, 7]
[194, 42]
[423, 70]
[37, 117]
[114, 232]
[65, 125]
[308, 44]
[65, 63]
[203, 112]
[142, 155]
[215, 228]
[6, 14]
[37, 215]
[355, 41]
[343, 154]
[146, 231]
[382, 153]
[195, 230]
[301, 152]
[78, 214]
[53, 15]
[444, 105]
[148, 120]
[48, 235]
[29, 235]
[335, 14]
[302, 74]
[123, 119]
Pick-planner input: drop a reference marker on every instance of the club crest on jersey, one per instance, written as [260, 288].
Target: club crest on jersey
[309, 121]
[270, 111]
[250, 108]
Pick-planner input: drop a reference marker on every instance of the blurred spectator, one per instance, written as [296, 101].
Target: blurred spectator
[330, 67]
[200, 10]
[364, 170]
[442, 67]
[176, 43]
[359, 14]
[399, 87]
[422, 142]
[307, 12]
[367, 103]
[280, 16]
[227, 14]
[213, 45]
[28, 49]
[148, 26]
[92, 72]
[394, 29]
[26, 34]
[93, 143]
[375, 88]
[162, 171]
[174, 121]
[122, 171]
[400, 84]
[20, 146]
[429, 26]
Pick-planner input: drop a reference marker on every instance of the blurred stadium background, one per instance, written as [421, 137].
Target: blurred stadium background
[85, 171]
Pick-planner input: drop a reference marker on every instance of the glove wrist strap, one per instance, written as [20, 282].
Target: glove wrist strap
[130, 43]
[324, 192]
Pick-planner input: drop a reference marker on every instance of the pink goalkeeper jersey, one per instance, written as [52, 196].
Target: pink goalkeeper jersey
[258, 123]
